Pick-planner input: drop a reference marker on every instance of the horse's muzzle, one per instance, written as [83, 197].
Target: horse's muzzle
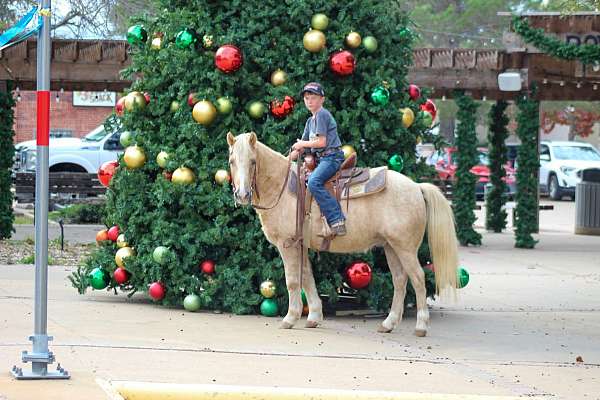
[242, 198]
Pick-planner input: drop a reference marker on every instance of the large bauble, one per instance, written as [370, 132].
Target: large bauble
[353, 40]
[207, 267]
[183, 176]
[134, 157]
[430, 107]
[135, 101]
[348, 150]
[120, 106]
[256, 109]
[222, 177]
[268, 289]
[224, 105]
[121, 275]
[126, 139]
[414, 92]
[380, 96]
[160, 255]
[192, 302]
[269, 308]
[229, 58]
[342, 63]
[174, 106]
[107, 171]
[99, 278]
[462, 277]
[157, 291]
[162, 158]
[314, 41]
[204, 112]
[192, 99]
[319, 21]
[136, 34]
[370, 44]
[284, 108]
[113, 233]
[396, 163]
[358, 275]
[408, 117]
[185, 38]
[122, 254]
[278, 77]
[102, 236]
[427, 118]
[121, 241]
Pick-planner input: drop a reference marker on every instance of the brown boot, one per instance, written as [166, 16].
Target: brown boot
[339, 228]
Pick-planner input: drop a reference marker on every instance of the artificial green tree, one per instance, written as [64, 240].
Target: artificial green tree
[495, 215]
[7, 152]
[199, 221]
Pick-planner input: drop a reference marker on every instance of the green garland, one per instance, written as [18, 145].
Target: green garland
[586, 53]
[7, 152]
[464, 200]
[495, 216]
[526, 213]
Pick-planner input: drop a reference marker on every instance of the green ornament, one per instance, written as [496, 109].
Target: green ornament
[427, 118]
[396, 162]
[405, 33]
[126, 139]
[136, 35]
[192, 302]
[269, 308]
[380, 96]
[99, 278]
[256, 109]
[161, 255]
[370, 44]
[463, 277]
[304, 301]
[185, 38]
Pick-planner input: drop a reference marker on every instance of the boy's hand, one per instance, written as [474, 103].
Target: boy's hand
[294, 154]
[299, 145]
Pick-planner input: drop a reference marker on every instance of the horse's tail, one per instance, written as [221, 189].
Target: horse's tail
[441, 235]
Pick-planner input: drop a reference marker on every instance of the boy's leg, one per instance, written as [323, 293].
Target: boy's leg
[316, 184]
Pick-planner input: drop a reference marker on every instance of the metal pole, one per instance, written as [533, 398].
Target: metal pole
[40, 357]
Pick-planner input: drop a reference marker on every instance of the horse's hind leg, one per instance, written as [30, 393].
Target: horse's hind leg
[411, 265]
[315, 306]
[399, 278]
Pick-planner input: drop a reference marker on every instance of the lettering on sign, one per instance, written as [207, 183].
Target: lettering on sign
[583, 38]
[94, 99]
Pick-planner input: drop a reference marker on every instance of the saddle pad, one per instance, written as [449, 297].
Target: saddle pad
[374, 182]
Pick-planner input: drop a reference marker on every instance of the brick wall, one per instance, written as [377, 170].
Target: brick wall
[63, 115]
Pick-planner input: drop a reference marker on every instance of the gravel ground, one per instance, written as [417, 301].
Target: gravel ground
[15, 252]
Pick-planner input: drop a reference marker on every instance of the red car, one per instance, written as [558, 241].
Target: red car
[445, 165]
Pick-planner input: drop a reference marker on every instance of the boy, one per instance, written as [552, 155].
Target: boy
[321, 137]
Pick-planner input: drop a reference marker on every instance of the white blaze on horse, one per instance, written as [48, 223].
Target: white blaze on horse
[394, 218]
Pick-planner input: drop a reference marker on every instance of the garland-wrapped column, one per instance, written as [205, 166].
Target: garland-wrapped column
[526, 213]
[495, 216]
[464, 199]
[7, 152]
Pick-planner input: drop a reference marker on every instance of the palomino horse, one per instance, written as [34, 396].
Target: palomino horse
[394, 218]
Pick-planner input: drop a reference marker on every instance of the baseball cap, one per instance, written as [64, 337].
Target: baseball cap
[313, 87]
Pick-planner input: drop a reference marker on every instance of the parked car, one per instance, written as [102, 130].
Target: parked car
[72, 154]
[445, 165]
[561, 164]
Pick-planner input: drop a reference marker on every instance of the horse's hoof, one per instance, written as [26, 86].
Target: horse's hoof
[311, 324]
[285, 325]
[383, 329]
[420, 332]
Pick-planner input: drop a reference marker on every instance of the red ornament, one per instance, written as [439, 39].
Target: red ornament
[147, 97]
[121, 275]
[281, 110]
[358, 275]
[120, 107]
[430, 107]
[113, 233]
[157, 291]
[208, 267]
[229, 58]
[342, 63]
[192, 100]
[414, 92]
[106, 172]
[168, 175]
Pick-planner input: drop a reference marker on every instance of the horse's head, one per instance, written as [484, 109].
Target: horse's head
[242, 165]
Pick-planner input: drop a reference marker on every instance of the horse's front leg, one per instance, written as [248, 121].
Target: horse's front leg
[315, 306]
[291, 263]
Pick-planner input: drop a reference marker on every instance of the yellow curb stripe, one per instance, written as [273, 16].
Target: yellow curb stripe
[169, 391]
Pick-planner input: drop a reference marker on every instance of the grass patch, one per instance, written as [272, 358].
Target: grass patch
[30, 259]
[23, 220]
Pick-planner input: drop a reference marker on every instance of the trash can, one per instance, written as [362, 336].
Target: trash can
[587, 203]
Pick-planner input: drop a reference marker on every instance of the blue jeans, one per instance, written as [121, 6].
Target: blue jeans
[328, 166]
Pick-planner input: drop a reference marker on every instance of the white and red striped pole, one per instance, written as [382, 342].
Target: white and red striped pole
[40, 357]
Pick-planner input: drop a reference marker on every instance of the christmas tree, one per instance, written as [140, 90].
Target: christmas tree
[205, 68]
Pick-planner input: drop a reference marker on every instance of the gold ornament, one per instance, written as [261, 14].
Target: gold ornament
[135, 101]
[268, 289]
[134, 157]
[122, 254]
[278, 77]
[183, 176]
[353, 40]
[156, 43]
[348, 150]
[408, 117]
[207, 41]
[222, 177]
[162, 158]
[204, 112]
[314, 41]
[121, 242]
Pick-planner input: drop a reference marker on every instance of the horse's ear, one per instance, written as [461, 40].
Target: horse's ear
[252, 139]
[230, 139]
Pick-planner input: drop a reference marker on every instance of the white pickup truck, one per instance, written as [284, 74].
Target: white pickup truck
[71, 154]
